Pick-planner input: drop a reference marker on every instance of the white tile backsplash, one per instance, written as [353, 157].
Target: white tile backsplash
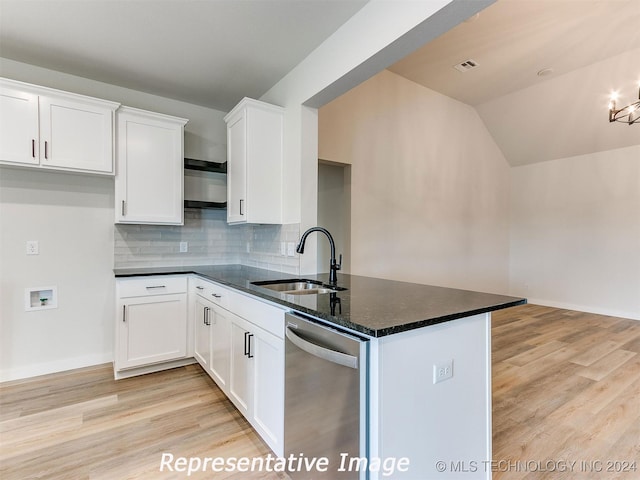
[211, 241]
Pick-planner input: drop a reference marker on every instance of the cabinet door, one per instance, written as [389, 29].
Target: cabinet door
[220, 346]
[202, 324]
[19, 139]
[268, 388]
[152, 329]
[149, 169]
[237, 171]
[241, 368]
[76, 135]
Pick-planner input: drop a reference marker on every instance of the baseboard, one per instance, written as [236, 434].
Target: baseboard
[156, 367]
[584, 308]
[38, 369]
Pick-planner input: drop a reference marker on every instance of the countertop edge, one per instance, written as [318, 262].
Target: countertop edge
[333, 319]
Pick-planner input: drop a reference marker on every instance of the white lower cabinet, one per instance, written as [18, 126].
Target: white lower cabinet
[245, 360]
[237, 339]
[151, 326]
[212, 340]
[268, 388]
[202, 329]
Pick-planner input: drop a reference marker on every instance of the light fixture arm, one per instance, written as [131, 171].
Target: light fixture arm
[629, 114]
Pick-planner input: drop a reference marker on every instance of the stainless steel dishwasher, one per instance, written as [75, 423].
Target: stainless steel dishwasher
[325, 399]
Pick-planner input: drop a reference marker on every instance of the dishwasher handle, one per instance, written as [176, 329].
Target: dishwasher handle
[322, 352]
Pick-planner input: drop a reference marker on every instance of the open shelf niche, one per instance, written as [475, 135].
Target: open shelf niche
[201, 189]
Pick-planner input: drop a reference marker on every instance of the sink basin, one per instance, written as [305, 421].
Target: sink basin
[298, 286]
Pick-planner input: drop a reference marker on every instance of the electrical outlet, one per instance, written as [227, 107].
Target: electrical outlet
[291, 249]
[283, 249]
[248, 247]
[184, 247]
[442, 371]
[32, 247]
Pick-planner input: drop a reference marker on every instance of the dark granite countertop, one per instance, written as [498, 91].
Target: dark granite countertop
[371, 306]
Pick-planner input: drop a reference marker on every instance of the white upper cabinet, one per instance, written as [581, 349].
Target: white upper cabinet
[50, 129]
[254, 163]
[19, 138]
[149, 168]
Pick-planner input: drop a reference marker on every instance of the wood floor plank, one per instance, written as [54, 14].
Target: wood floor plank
[607, 364]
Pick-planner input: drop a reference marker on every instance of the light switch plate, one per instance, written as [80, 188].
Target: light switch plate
[184, 247]
[291, 249]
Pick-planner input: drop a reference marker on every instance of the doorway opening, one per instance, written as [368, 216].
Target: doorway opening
[334, 212]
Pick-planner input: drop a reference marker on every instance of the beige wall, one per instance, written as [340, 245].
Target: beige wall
[430, 188]
[575, 232]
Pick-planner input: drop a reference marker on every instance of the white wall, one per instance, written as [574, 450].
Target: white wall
[430, 188]
[72, 217]
[575, 232]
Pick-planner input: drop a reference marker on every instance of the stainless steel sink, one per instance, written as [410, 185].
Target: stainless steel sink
[298, 286]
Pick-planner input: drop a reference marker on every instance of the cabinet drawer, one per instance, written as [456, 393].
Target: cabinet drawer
[212, 292]
[267, 316]
[146, 286]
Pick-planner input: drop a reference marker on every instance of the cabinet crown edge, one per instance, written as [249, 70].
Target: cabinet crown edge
[246, 101]
[39, 89]
[152, 115]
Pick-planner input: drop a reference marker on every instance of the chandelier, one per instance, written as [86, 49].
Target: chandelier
[629, 114]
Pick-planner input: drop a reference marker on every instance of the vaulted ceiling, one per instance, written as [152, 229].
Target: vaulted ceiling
[545, 71]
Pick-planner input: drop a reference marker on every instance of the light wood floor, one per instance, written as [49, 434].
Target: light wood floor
[566, 387]
[83, 424]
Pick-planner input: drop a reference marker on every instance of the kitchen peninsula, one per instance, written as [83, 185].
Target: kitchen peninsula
[429, 375]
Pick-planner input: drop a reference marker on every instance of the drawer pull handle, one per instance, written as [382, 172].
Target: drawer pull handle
[216, 295]
[200, 288]
[156, 286]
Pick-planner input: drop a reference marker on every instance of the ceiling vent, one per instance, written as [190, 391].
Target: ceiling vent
[466, 66]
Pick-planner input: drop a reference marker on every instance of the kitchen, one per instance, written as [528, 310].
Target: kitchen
[57, 203]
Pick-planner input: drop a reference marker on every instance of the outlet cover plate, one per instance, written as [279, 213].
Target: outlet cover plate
[442, 371]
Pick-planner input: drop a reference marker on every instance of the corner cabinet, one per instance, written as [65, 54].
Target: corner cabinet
[50, 129]
[149, 168]
[255, 133]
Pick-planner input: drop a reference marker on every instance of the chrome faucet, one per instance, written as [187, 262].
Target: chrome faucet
[334, 266]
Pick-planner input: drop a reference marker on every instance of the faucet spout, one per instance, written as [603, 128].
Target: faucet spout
[334, 266]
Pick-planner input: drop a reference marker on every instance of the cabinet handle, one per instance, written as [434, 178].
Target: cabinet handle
[124, 313]
[200, 288]
[46, 150]
[241, 203]
[123, 214]
[155, 286]
[33, 148]
[206, 316]
[247, 344]
[216, 295]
